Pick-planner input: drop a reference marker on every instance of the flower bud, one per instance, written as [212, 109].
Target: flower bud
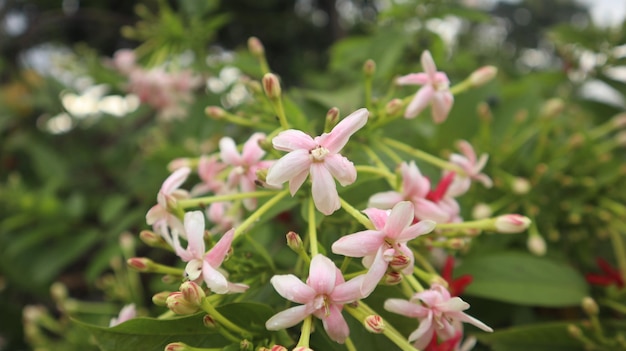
[192, 292]
[552, 108]
[256, 47]
[176, 346]
[294, 241]
[58, 291]
[393, 107]
[456, 244]
[140, 264]
[302, 348]
[536, 245]
[209, 322]
[369, 68]
[215, 112]
[332, 118]
[271, 86]
[483, 75]
[511, 223]
[481, 211]
[574, 331]
[374, 324]
[178, 304]
[399, 262]
[520, 186]
[278, 348]
[151, 239]
[160, 298]
[392, 278]
[590, 306]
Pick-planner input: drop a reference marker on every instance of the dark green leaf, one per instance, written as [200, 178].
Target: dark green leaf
[538, 337]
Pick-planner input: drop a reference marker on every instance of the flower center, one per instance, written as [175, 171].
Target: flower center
[319, 153]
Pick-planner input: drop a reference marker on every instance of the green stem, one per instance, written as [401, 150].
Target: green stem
[486, 223]
[246, 122]
[312, 228]
[350, 345]
[280, 112]
[305, 334]
[207, 307]
[390, 177]
[163, 269]
[461, 87]
[361, 218]
[202, 201]
[618, 307]
[259, 212]
[381, 167]
[424, 156]
[390, 153]
[413, 282]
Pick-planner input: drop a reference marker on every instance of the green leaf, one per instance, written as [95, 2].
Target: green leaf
[538, 337]
[155, 334]
[521, 278]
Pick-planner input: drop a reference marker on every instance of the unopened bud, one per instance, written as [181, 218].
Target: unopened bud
[278, 348]
[294, 241]
[392, 278]
[261, 177]
[374, 324]
[332, 118]
[369, 68]
[178, 304]
[177, 346]
[393, 107]
[302, 348]
[245, 345]
[160, 298]
[399, 262]
[271, 86]
[209, 322]
[58, 291]
[140, 264]
[590, 306]
[192, 292]
[481, 211]
[170, 279]
[536, 245]
[483, 75]
[520, 186]
[127, 242]
[511, 223]
[552, 108]
[215, 112]
[151, 239]
[574, 331]
[456, 244]
[256, 47]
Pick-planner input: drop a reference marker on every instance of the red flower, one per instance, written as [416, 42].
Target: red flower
[458, 285]
[446, 345]
[610, 275]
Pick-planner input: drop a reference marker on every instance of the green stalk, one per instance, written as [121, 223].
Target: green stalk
[361, 218]
[259, 212]
[202, 201]
[220, 319]
[312, 228]
[424, 156]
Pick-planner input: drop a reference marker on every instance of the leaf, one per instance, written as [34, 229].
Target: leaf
[155, 334]
[521, 278]
[537, 337]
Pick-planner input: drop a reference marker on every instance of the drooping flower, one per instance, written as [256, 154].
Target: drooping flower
[161, 219]
[245, 165]
[318, 157]
[323, 296]
[434, 91]
[438, 314]
[471, 165]
[429, 204]
[127, 312]
[386, 244]
[201, 264]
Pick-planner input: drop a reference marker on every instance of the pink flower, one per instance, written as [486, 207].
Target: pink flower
[387, 244]
[159, 216]
[434, 91]
[319, 157]
[201, 264]
[209, 169]
[245, 165]
[323, 295]
[127, 312]
[429, 204]
[472, 167]
[438, 314]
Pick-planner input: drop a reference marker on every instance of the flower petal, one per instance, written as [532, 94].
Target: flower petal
[288, 318]
[375, 273]
[252, 151]
[384, 200]
[413, 79]
[441, 105]
[338, 136]
[359, 244]
[175, 180]
[290, 140]
[289, 166]
[324, 190]
[349, 291]
[401, 217]
[193, 269]
[405, 308]
[335, 325]
[322, 275]
[423, 334]
[216, 255]
[214, 279]
[428, 64]
[296, 182]
[229, 153]
[377, 216]
[415, 230]
[341, 168]
[292, 288]
[421, 99]
[194, 228]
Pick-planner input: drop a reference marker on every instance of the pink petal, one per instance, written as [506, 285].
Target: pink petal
[322, 275]
[413, 79]
[385, 200]
[375, 273]
[349, 291]
[288, 318]
[324, 190]
[401, 217]
[405, 308]
[292, 288]
[338, 136]
[216, 255]
[421, 99]
[155, 213]
[425, 209]
[296, 182]
[441, 105]
[229, 153]
[341, 168]
[463, 317]
[414, 184]
[290, 140]
[423, 334]
[252, 151]
[288, 167]
[193, 269]
[175, 180]
[428, 64]
[237, 287]
[417, 229]
[214, 279]
[359, 244]
[467, 150]
[194, 227]
[335, 325]
[377, 216]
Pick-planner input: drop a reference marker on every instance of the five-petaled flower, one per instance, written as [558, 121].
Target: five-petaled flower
[319, 157]
[438, 314]
[434, 91]
[323, 296]
[386, 244]
[471, 165]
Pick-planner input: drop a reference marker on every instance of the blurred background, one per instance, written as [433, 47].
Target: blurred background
[82, 156]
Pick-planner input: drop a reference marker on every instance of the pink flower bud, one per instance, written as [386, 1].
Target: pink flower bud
[374, 324]
[176, 346]
[536, 245]
[393, 107]
[160, 298]
[150, 238]
[483, 75]
[192, 292]
[140, 264]
[511, 223]
[302, 348]
[520, 186]
[399, 262]
[271, 86]
[392, 278]
[294, 241]
[215, 112]
[278, 348]
[256, 47]
[332, 118]
[178, 304]
[209, 322]
[369, 68]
